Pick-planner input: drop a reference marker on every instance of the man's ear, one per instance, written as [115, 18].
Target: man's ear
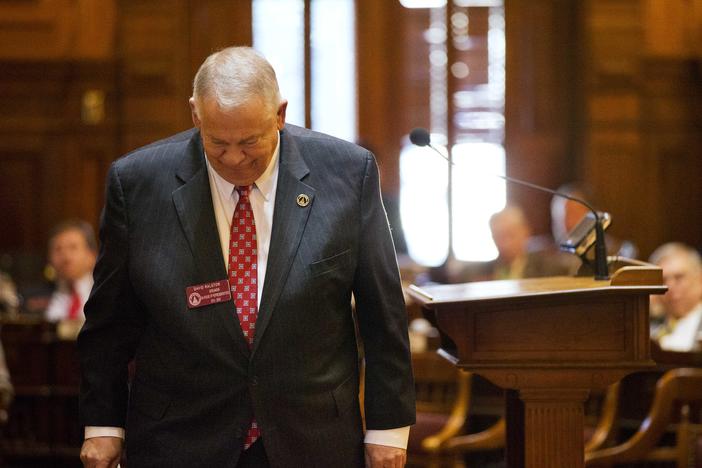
[193, 112]
[280, 116]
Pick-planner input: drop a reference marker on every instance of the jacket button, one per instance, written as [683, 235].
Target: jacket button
[254, 381]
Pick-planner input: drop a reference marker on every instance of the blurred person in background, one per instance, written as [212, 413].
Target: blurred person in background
[7, 391]
[566, 214]
[516, 259]
[9, 303]
[511, 233]
[681, 306]
[9, 300]
[72, 254]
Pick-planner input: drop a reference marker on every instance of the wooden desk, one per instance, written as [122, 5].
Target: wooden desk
[548, 341]
[667, 360]
[43, 427]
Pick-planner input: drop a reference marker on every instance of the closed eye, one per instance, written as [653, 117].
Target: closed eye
[250, 141]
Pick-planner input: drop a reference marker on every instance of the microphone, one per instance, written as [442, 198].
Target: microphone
[421, 137]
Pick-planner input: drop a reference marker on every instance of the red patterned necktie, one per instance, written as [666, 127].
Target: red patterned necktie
[74, 304]
[243, 276]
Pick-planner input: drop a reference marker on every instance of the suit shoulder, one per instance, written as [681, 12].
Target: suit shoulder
[325, 144]
[159, 153]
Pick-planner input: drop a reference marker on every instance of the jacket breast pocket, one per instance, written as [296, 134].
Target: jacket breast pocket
[330, 264]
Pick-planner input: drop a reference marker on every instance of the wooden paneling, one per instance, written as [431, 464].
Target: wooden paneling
[56, 29]
[153, 51]
[42, 427]
[37, 29]
[58, 125]
[673, 28]
[82, 83]
[55, 145]
[385, 47]
[602, 90]
[672, 140]
[20, 195]
[215, 24]
[642, 134]
[612, 136]
[542, 108]
[161, 45]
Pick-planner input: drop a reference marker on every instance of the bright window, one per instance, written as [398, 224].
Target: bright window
[334, 68]
[477, 194]
[423, 207]
[279, 34]
[477, 92]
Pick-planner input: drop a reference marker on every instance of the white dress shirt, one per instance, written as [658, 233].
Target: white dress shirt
[60, 301]
[262, 198]
[685, 334]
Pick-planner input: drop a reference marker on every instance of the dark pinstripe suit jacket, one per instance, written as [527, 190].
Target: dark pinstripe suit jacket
[197, 383]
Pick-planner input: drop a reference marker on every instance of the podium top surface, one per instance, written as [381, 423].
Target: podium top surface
[636, 279]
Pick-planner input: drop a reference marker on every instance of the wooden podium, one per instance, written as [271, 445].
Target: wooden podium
[548, 341]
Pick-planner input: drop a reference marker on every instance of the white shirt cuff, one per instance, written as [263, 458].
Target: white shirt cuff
[390, 437]
[99, 431]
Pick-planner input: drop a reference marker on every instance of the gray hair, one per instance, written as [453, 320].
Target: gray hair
[672, 249]
[235, 75]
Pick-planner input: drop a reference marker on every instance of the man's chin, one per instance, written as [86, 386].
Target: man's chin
[71, 277]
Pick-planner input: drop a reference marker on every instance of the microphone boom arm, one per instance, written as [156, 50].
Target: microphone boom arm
[421, 137]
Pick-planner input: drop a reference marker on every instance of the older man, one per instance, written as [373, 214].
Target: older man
[511, 233]
[682, 304]
[229, 256]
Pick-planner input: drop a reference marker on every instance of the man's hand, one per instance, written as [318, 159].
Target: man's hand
[383, 456]
[101, 452]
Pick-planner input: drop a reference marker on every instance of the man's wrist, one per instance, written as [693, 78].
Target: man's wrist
[390, 437]
[103, 431]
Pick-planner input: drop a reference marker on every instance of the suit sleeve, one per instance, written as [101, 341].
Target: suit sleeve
[382, 318]
[113, 324]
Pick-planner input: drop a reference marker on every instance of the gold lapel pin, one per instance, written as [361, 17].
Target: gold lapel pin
[303, 200]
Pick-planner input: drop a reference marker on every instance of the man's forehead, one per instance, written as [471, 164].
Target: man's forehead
[68, 235]
[678, 265]
[233, 135]
[237, 122]
[210, 105]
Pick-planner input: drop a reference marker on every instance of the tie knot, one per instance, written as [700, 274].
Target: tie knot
[243, 190]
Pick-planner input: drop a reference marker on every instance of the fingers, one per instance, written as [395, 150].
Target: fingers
[101, 452]
[381, 456]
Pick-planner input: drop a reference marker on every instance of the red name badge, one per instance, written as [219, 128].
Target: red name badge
[202, 295]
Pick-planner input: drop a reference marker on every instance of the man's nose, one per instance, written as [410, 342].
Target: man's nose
[237, 155]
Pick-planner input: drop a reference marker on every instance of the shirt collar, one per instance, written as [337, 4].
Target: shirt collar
[691, 316]
[265, 183]
[82, 284]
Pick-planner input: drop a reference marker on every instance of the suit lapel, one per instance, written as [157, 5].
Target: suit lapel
[193, 203]
[289, 221]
